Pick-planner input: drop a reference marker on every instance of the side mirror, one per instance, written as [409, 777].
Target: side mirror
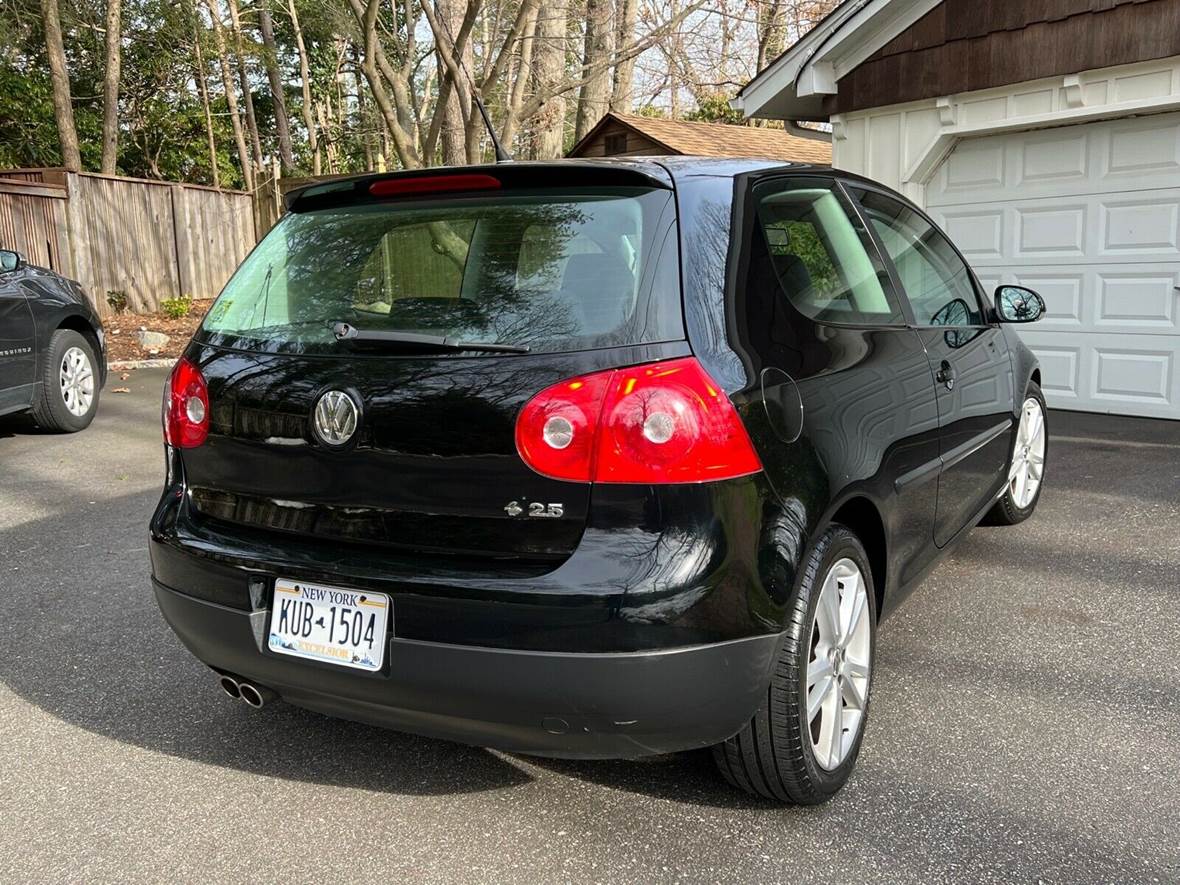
[1016, 304]
[10, 261]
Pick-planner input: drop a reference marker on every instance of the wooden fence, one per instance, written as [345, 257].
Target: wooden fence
[32, 219]
[151, 240]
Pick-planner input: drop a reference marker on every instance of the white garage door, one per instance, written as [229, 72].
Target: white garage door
[1089, 216]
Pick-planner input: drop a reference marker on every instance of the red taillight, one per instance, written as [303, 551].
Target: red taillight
[186, 407]
[655, 423]
[433, 184]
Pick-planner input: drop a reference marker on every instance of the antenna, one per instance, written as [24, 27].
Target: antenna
[502, 156]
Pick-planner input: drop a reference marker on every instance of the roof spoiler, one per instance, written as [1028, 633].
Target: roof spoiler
[454, 181]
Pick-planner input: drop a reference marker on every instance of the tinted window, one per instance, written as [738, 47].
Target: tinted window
[818, 255]
[552, 272]
[936, 281]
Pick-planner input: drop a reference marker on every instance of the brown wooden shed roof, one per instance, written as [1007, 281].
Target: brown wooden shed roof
[717, 139]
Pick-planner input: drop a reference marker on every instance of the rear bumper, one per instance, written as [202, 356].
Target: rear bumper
[584, 705]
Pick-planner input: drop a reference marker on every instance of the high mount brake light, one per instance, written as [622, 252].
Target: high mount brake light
[433, 184]
[186, 407]
[664, 422]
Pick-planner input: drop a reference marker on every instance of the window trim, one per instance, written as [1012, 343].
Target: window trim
[852, 210]
[984, 305]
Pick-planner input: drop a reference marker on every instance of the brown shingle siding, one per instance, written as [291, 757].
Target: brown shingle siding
[965, 45]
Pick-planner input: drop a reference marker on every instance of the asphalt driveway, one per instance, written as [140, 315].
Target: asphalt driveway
[1026, 720]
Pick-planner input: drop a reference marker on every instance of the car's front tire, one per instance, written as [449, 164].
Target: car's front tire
[1026, 469]
[803, 741]
[69, 384]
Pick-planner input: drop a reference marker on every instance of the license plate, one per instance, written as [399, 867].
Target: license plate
[330, 624]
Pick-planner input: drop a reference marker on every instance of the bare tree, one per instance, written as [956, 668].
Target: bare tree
[203, 87]
[231, 95]
[110, 86]
[63, 109]
[313, 142]
[549, 60]
[622, 94]
[520, 78]
[390, 85]
[594, 96]
[270, 55]
[244, 82]
[453, 137]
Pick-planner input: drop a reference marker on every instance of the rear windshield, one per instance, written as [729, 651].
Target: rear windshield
[536, 269]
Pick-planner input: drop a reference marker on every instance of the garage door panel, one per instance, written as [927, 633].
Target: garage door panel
[1053, 231]
[1061, 367]
[1116, 373]
[1089, 216]
[1148, 225]
[1115, 298]
[1055, 158]
[1146, 146]
[1123, 371]
[1137, 301]
[1113, 155]
[1063, 291]
[972, 166]
[979, 235]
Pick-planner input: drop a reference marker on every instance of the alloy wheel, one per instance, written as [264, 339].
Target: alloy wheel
[1028, 456]
[77, 381]
[838, 671]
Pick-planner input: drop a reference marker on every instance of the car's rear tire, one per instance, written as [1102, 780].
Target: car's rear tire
[786, 752]
[1026, 468]
[69, 391]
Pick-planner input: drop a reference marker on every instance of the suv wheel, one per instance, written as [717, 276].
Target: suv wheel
[69, 385]
[802, 744]
[1026, 471]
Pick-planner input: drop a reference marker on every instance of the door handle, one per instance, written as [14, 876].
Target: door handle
[946, 375]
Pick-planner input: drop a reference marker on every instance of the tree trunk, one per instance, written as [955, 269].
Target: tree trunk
[231, 96]
[622, 96]
[455, 122]
[63, 109]
[270, 59]
[594, 96]
[313, 141]
[110, 87]
[549, 56]
[770, 32]
[204, 89]
[378, 73]
[244, 82]
[324, 114]
[520, 81]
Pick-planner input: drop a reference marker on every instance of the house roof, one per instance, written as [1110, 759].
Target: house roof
[793, 86]
[718, 139]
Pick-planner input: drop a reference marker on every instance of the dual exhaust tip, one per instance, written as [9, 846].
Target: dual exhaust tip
[242, 690]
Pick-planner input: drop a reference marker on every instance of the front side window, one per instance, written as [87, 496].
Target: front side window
[821, 260]
[549, 271]
[934, 277]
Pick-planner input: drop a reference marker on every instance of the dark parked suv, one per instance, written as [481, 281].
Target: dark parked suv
[52, 353]
[589, 459]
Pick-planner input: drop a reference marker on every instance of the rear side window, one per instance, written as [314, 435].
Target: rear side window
[819, 254]
[551, 272]
[936, 280]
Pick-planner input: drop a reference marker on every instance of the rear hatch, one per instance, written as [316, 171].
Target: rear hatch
[434, 306]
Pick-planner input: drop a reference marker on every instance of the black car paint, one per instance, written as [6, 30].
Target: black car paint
[652, 579]
[34, 303]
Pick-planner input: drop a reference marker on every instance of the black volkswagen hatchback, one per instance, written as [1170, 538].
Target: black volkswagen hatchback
[589, 459]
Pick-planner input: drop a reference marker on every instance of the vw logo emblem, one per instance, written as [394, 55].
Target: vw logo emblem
[335, 418]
